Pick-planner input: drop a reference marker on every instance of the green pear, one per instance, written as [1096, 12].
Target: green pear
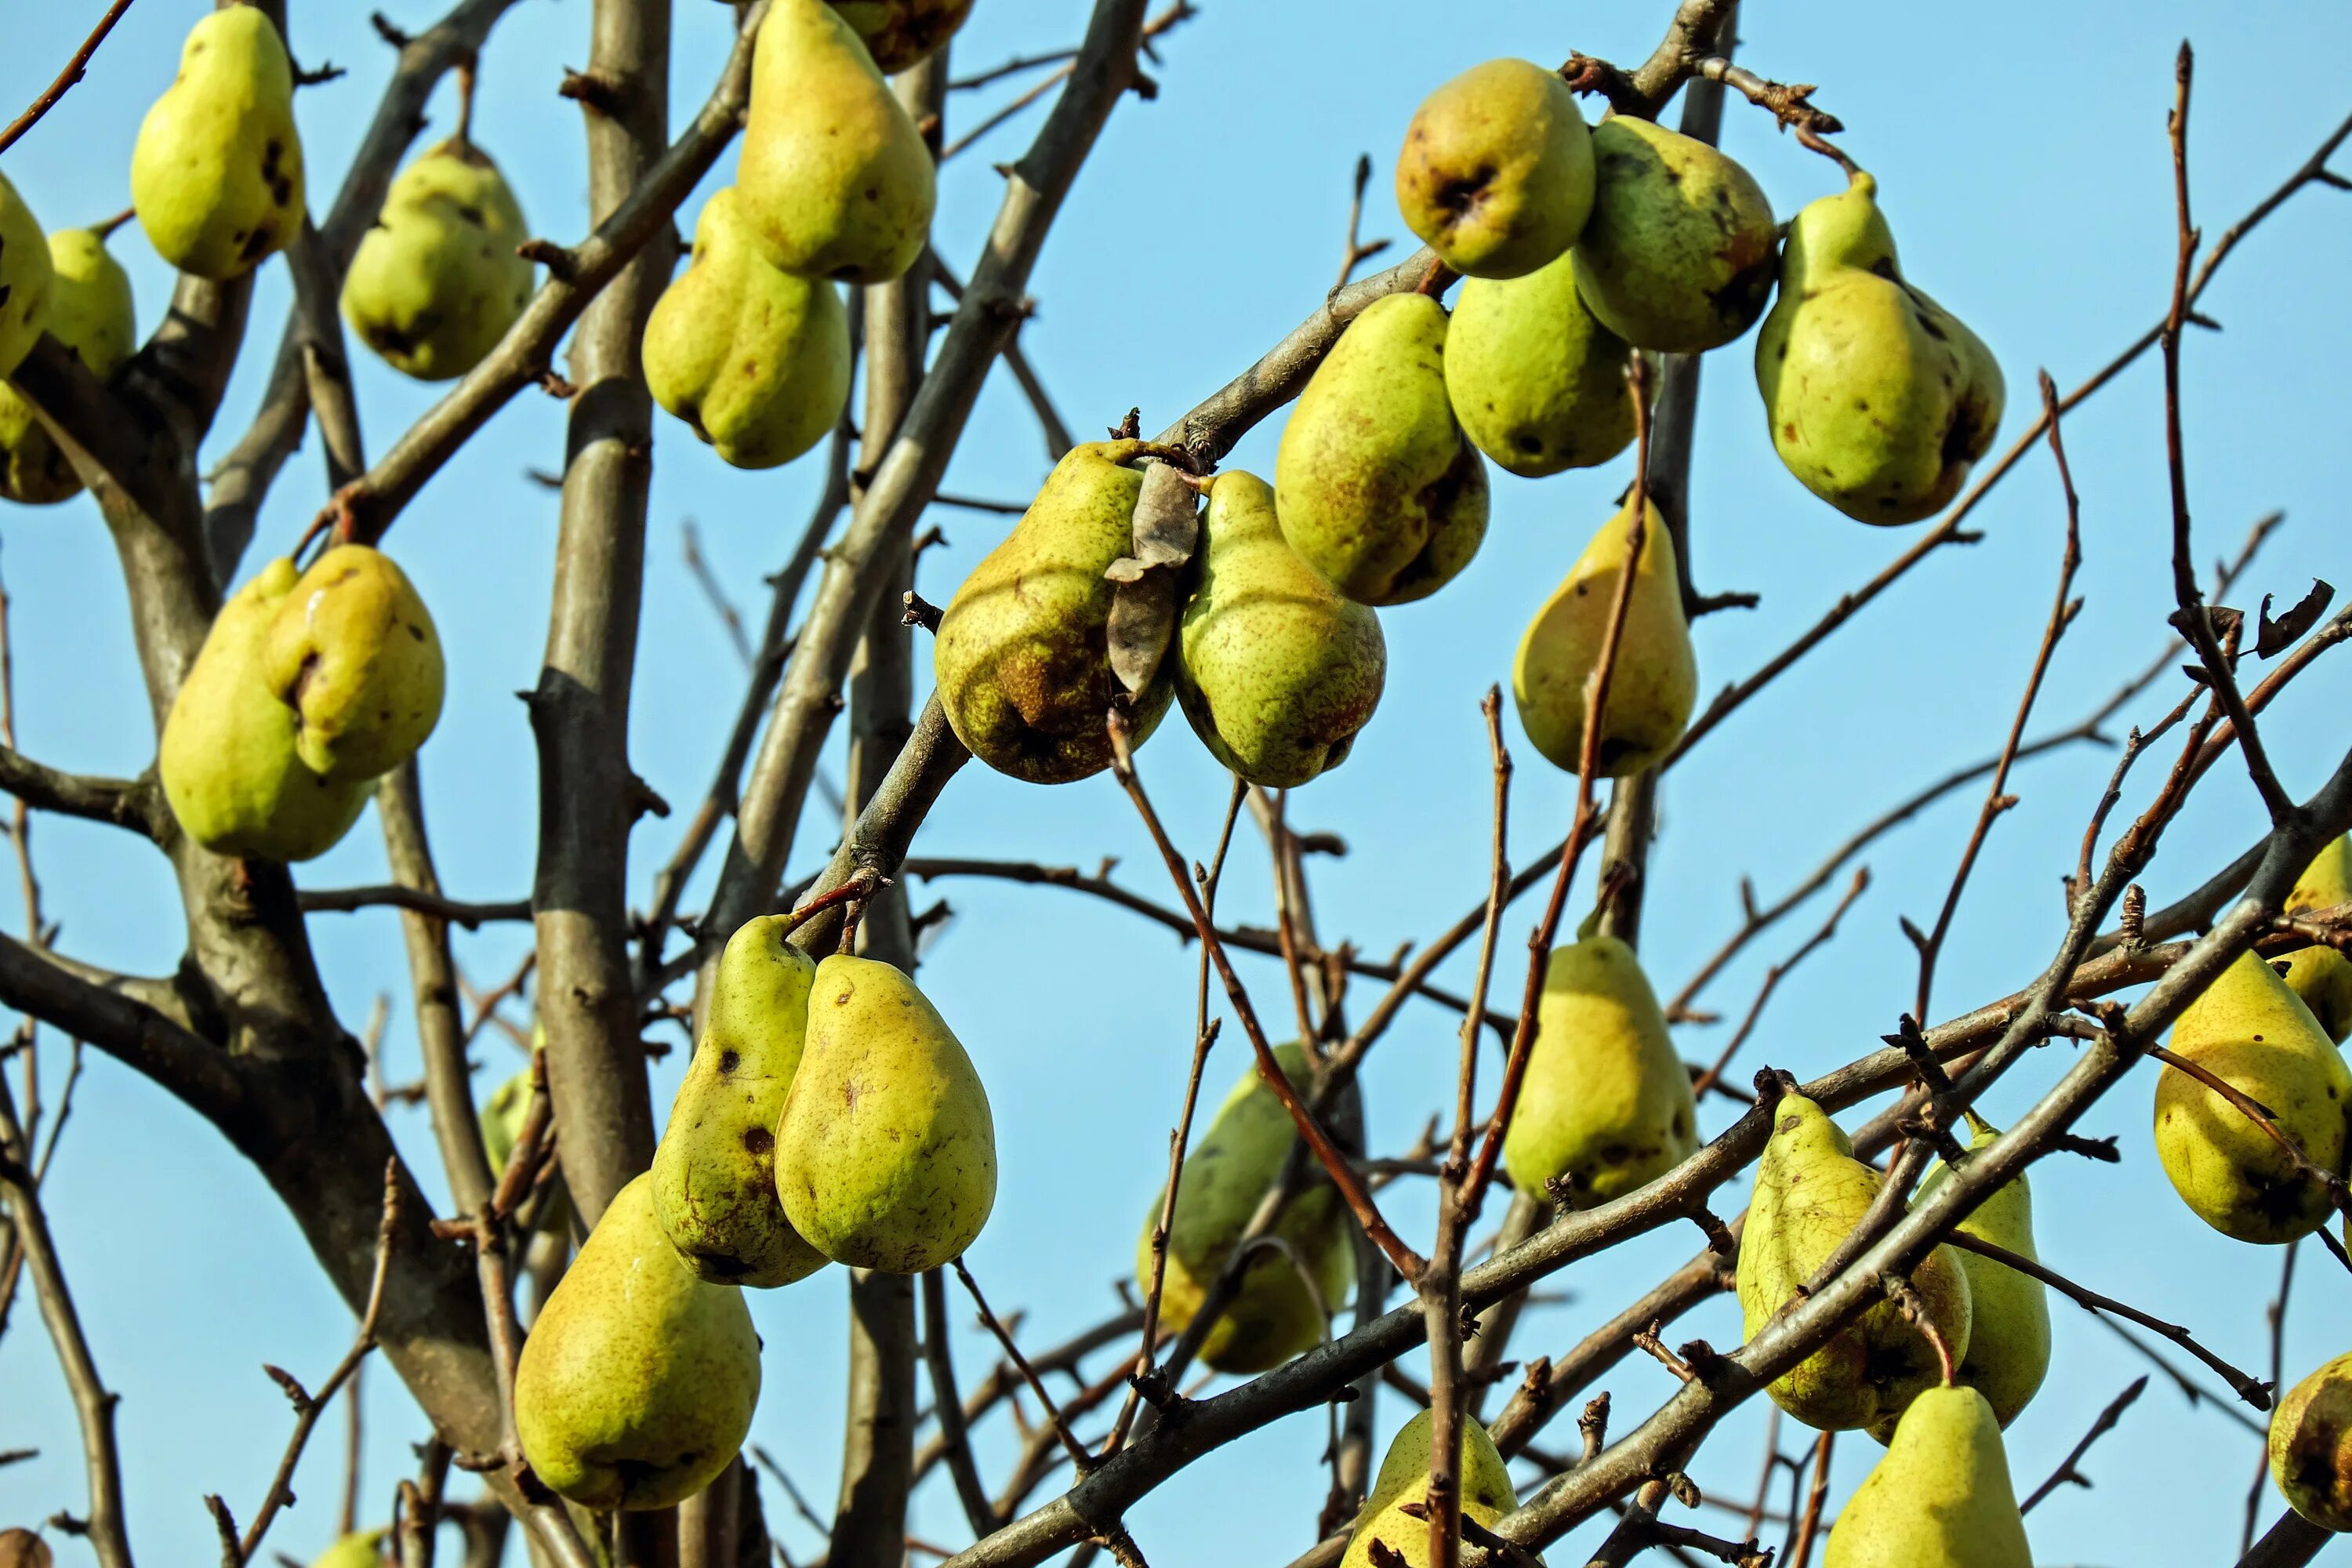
[216, 173]
[1376, 486]
[1496, 171]
[756, 360]
[360, 1549]
[902, 33]
[1279, 670]
[2311, 1446]
[1940, 1497]
[1653, 682]
[1486, 1494]
[1273, 1316]
[354, 652]
[501, 1119]
[1022, 653]
[2321, 976]
[435, 283]
[27, 274]
[1811, 1191]
[1878, 399]
[635, 1386]
[89, 312]
[229, 756]
[1677, 255]
[834, 177]
[2249, 1030]
[886, 1155]
[1538, 383]
[1606, 1104]
[715, 1172]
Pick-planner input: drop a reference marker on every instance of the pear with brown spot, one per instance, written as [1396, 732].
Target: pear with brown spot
[216, 173]
[354, 653]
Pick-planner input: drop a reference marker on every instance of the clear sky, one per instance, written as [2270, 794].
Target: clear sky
[2022, 163]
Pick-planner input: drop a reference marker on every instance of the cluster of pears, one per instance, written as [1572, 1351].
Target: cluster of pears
[71, 288]
[309, 686]
[216, 173]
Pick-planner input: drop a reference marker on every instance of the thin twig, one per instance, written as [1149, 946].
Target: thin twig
[76, 67]
[1077, 1450]
[1358, 253]
[2067, 1470]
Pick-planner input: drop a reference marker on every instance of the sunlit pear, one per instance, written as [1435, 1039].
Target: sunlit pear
[1486, 1494]
[1496, 175]
[1278, 669]
[886, 1156]
[1653, 682]
[23, 1548]
[2310, 1446]
[354, 653]
[216, 173]
[1022, 653]
[834, 177]
[1938, 1497]
[1538, 383]
[1677, 255]
[437, 282]
[501, 1119]
[1377, 488]
[2321, 976]
[360, 1549]
[2255, 1035]
[715, 1172]
[25, 279]
[902, 33]
[755, 359]
[1811, 1191]
[89, 312]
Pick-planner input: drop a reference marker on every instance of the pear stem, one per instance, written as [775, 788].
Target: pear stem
[464, 134]
[106, 228]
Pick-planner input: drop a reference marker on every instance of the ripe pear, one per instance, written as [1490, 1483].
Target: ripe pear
[89, 312]
[1606, 1104]
[886, 1156]
[1279, 670]
[1811, 1191]
[2255, 1035]
[1487, 1494]
[715, 1172]
[1677, 255]
[635, 1386]
[1376, 486]
[1653, 682]
[354, 652]
[216, 173]
[229, 757]
[902, 33]
[501, 1119]
[756, 360]
[1496, 171]
[25, 279]
[2311, 1446]
[2321, 976]
[435, 283]
[834, 177]
[1022, 656]
[360, 1549]
[1940, 1497]
[1272, 1317]
[23, 1548]
[1538, 383]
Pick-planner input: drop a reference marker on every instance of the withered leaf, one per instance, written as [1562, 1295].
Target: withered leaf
[2274, 638]
[1143, 612]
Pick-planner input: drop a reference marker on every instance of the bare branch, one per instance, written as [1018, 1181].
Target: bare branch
[76, 69]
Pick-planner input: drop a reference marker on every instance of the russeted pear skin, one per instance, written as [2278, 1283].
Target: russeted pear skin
[1653, 683]
[23, 1548]
[89, 312]
[834, 177]
[1496, 175]
[2255, 1035]
[1677, 255]
[1377, 488]
[435, 283]
[886, 1156]
[360, 1549]
[902, 33]
[755, 359]
[1941, 1495]
[1811, 1191]
[2310, 1446]
[1878, 399]
[636, 1385]
[1487, 1494]
[354, 653]
[715, 1171]
[1538, 383]
[1226, 1175]
[1023, 655]
[25, 279]
[216, 173]
[1277, 669]
[2321, 976]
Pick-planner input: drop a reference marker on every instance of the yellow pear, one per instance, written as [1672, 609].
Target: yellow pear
[2321, 976]
[1677, 255]
[360, 1549]
[354, 652]
[1496, 171]
[2310, 1446]
[89, 312]
[1538, 383]
[25, 279]
[1941, 1495]
[1487, 1494]
[216, 173]
[437, 282]
[902, 33]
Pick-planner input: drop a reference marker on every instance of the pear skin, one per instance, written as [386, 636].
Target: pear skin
[1538, 383]
[27, 274]
[360, 1549]
[2310, 1446]
[903, 33]
[1486, 1494]
[89, 312]
[2321, 976]
[354, 652]
[23, 1548]
[1496, 171]
[435, 283]
[1941, 1495]
[1677, 255]
[216, 173]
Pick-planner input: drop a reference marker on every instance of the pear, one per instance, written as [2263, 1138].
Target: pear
[715, 1172]
[1939, 1498]
[1022, 656]
[354, 653]
[1811, 1191]
[1496, 171]
[25, 279]
[2255, 1035]
[1606, 1104]
[435, 283]
[2311, 1446]
[1279, 670]
[1376, 486]
[834, 177]
[1538, 383]
[2321, 976]
[89, 312]
[23, 1548]
[229, 757]
[1653, 682]
[756, 360]
[902, 33]
[1677, 255]
[216, 173]
[635, 1386]
[500, 1119]
[886, 1156]
[1486, 1494]
[1273, 1316]
[360, 1549]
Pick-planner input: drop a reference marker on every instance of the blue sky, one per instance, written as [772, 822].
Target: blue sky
[2023, 167]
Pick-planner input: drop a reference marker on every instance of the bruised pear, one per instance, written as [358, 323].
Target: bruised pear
[216, 173]
[27, 275]
[354, 652]
[1497, 171]
[1939, 1498]
[89, 312]
[1677, 255]
[1538, 383]
[902, 33]
[2310, 1446]
[435, 283]
[2321, 976]
[1403, 1481]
